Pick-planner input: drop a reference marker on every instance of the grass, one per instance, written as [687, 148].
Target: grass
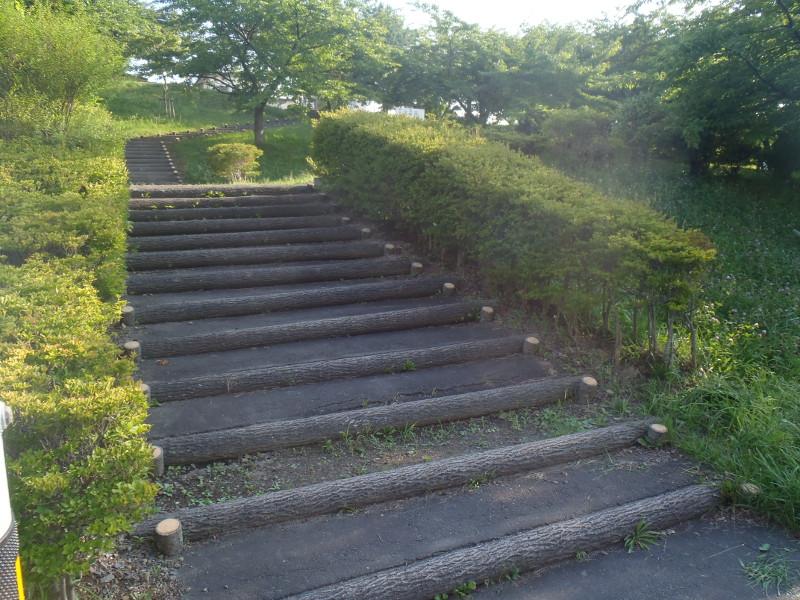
[138, 107]
[641, 538]
[740, 411]
[284, 160]
[772, 570]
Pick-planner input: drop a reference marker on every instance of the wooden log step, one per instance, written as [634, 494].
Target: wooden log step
[353, 492]
[307, 297]
[198, 191]
[524, 551]
[324, 370]
[230, 443]
[208, 278]
[229, 225]
[394, 320]
[253, 255]
[216, 202]
[231, 212]
[244, 238]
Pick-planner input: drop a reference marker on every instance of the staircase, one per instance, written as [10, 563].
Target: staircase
[149, 161]
[267, 319]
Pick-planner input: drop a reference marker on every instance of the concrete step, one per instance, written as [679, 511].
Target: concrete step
[158, 243]
[204, 190]
[232, 212]
[301, 555]
[151, 228]
[254, 255]
[225, 411]
[215, 201]
[186, 306]
[220, 339]
[278, 366]
[207, 278]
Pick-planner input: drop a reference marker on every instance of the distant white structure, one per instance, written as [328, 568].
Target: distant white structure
[408, 111]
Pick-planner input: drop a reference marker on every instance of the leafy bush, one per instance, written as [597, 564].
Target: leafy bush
[582, 133]
[56, 57]
[234, 161]
[534, 232]
[73, 208]
[78, 459]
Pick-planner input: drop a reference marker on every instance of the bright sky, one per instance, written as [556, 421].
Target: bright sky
[511, 14]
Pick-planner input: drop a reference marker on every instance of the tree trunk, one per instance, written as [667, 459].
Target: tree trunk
[215, 278]
[258, 125]
[395, 320]
[230, 443]
[147, 261]
[307, 297]
[272, 377]
[229, 225]
[231, 212]
[331, 496]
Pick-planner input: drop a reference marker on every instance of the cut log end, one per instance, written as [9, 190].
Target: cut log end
[416, 268]
[132, 349]
[169, 537]
[448, 289]
[345, 220]
[128, 315]
[158, 461]
[487, 314]
[656, 434]
[587, 389]
[530, 345]
[145, 389]
[366, 232]
[391, 249]
[749, 490]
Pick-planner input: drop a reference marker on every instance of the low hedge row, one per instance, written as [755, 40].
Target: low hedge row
[77, 456]
[533, 231]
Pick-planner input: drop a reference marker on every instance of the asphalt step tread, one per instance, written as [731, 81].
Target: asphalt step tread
[296, 556]
[237, 410]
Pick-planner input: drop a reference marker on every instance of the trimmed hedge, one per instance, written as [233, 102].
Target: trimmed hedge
[533, 232]
[78, 459]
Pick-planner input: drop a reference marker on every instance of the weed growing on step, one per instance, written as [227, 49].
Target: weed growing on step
[462, 591]
[641, 538]
[770, 571]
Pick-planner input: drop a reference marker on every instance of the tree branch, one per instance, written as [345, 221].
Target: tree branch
[790, 24]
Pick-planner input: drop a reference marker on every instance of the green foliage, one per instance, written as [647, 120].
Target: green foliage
[535, 233]
[740, 411]
[78, 459]
[641, 538]
[583, 133]
[55, 59]
[71, 206]
[770, 571]
[261, 49]
[138, 107]
[286, 148]
[234, 162]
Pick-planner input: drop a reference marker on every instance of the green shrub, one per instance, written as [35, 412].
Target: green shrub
[56, 57]
[78, 459]
[534, 232]
[71, 207]
[234, 161]
[581, 133]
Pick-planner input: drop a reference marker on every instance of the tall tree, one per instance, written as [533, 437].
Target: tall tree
[258, 51]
